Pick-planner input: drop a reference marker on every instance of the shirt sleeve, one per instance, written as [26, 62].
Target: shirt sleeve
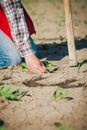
[15, 15]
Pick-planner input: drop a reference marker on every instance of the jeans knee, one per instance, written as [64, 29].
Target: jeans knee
[10, 60]
[15, 60]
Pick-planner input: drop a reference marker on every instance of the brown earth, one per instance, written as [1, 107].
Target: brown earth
[38, 109]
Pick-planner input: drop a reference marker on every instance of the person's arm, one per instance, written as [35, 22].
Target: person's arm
[20, 34]
[19, 30]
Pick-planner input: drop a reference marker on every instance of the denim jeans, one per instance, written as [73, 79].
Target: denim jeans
[9, 55]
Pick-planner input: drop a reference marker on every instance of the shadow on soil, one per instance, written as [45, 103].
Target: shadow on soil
[66, 84]
[57, 51]
[1, 123]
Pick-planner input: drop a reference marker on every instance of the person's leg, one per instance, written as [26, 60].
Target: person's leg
[9, 55]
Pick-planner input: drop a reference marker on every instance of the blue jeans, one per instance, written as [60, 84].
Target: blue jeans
[9, 55]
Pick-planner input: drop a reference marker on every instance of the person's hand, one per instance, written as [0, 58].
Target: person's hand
[34, 64]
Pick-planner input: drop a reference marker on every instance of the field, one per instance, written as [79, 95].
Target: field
[56, 100]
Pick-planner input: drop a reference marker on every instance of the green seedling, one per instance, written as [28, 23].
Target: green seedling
[61, 38]
[83, 6]
[7, 93]
[2, 128]
[80, 64]
[49, 66]
[15, 95]
[24, 66]
[63, 127]
[85, 21]
[58, 93]
[59, 22]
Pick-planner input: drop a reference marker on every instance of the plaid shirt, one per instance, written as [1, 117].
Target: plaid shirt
[18, 26]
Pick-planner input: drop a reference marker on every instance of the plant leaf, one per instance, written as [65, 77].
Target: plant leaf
[50, 67]
[58, 93]
[8, 89]
[2, 128]
[63, 127]
[81, 64]
[7, 93]
[62, 95]
[24, 66]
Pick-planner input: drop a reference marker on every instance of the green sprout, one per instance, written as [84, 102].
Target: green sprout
[8, 94]
[24, 66]
[49, 66]
[83, 6]
[80, 64]
[63, 127]
[58, 93]
[2, 128]
[85, 21]
[62, 38]
[59, 22]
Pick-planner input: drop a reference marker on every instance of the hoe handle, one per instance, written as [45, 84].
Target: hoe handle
[70, 33]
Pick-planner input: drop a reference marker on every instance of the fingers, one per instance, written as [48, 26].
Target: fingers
[43, 67]
[39, 70]
[35, 65]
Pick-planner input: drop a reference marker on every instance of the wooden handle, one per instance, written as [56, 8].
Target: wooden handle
[70, 33]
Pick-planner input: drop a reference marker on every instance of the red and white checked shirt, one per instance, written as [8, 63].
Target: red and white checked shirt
[15, 15]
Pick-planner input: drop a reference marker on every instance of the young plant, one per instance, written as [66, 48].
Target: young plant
[80, 64]
[59, 22]
[83, 6]
[58, 93]
[85, 21]
[24, 66]
[63, 127]
[7, 93]
[12, 95]
[61, 38]
[2, 128]
[49, 66]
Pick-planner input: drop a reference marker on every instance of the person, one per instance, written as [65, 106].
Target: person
[16, 28]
